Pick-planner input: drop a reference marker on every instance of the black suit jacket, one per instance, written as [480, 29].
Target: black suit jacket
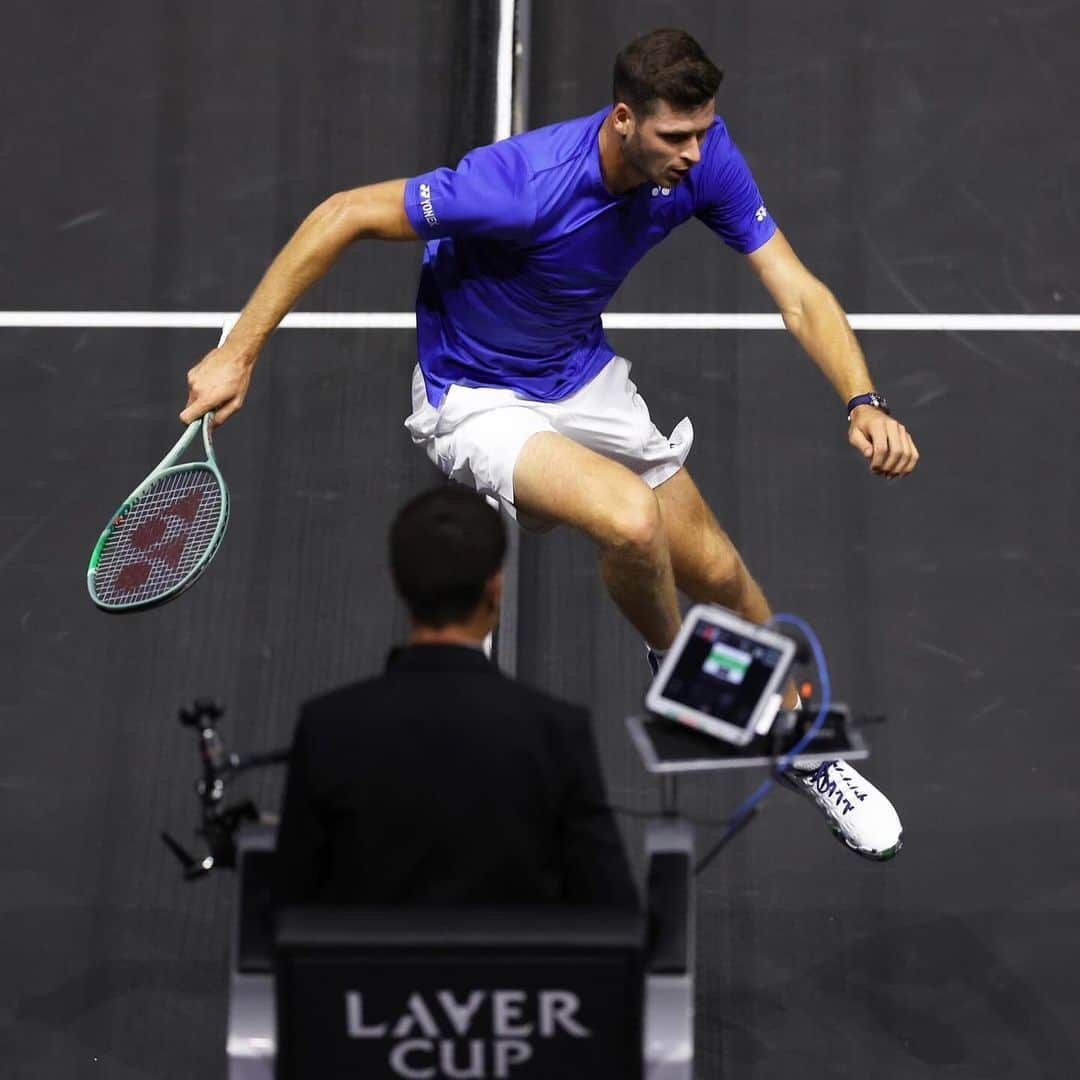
[444, 782]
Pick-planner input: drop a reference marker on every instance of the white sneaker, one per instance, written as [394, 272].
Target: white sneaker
[859, 815]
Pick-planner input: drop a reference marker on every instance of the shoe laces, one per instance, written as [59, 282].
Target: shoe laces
[840, 788]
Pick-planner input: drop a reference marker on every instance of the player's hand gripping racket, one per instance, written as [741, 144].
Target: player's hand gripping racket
[165, 532]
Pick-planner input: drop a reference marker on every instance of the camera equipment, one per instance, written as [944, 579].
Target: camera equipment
[217, 822]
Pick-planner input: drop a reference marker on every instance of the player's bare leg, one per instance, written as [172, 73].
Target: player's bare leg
[558, 479]
[651, 540]
[704, 560]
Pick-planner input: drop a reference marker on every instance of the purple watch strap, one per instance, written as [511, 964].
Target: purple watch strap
[868, 399]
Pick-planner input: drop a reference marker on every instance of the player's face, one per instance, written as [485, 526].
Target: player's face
[666, 144]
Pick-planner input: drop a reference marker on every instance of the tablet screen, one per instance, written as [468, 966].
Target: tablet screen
[722, 673]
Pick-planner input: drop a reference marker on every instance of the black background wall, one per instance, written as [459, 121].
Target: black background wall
[920, 158]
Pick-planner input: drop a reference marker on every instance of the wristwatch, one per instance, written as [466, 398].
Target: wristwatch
[867, 399]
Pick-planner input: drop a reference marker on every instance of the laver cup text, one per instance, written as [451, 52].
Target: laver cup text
[478, 1035]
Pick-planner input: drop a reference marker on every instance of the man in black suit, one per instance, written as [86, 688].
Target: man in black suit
[442, 781]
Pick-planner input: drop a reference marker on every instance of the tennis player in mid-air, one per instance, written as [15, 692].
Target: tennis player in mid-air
[517, 391]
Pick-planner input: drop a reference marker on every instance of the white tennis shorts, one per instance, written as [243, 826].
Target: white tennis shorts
[476, 434]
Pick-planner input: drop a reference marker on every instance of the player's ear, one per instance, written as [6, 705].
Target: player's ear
[622, 118]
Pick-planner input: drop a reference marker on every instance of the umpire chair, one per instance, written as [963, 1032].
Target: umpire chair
[430, 993]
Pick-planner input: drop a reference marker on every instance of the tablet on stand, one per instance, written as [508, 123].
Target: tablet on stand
[714, 704]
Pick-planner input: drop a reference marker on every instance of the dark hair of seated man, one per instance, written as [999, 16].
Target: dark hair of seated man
[447, 548]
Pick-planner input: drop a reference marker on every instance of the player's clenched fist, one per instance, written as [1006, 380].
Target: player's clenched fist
[883, 441]
[218, 382]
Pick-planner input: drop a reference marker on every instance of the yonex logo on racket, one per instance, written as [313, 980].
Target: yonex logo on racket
[148, 537]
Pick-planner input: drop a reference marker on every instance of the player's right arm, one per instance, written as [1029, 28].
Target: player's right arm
[377, 211]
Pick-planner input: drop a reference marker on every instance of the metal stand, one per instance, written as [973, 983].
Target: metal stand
[668, 1042]
[251, 1044]
[669, 749]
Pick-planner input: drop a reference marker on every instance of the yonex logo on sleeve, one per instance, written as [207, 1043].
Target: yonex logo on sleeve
[760, 215]
[425, 205]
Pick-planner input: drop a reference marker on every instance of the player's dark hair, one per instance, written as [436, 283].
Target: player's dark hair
[664, 65]
[444, 546]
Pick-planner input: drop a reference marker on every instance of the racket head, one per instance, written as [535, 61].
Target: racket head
[160, 540]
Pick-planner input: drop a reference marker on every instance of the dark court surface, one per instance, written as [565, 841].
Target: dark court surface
[920, 157]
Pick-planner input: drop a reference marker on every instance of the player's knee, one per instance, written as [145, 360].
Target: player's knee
[636, 525]
[723, 575]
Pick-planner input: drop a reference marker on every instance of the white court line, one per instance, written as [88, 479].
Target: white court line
[406, 320]
[188, 320]
[504, 72]
[772, 321]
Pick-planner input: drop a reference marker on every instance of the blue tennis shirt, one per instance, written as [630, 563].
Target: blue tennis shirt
[525, 247]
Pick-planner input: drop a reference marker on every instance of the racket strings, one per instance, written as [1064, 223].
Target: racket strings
[160, 538]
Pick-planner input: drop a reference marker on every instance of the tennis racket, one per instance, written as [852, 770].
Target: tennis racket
[165, 532]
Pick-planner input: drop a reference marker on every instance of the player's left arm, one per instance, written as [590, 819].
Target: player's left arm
[814, 317]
